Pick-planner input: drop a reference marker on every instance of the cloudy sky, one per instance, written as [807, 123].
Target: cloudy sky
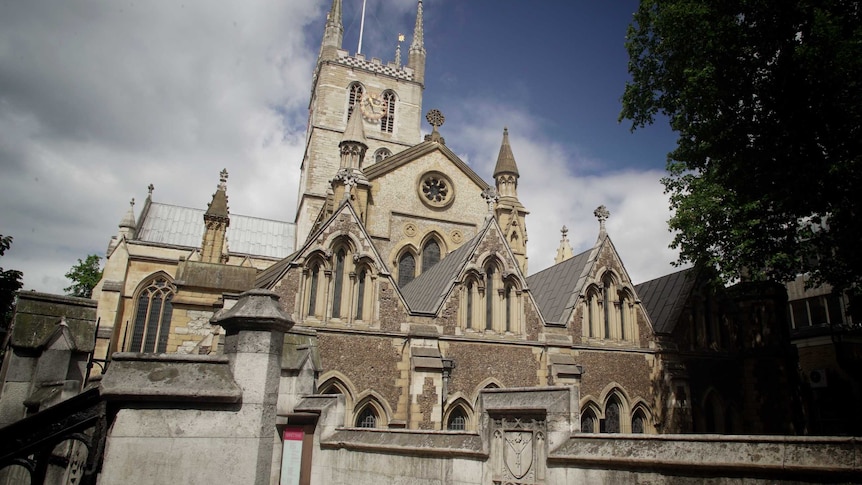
[98, 99]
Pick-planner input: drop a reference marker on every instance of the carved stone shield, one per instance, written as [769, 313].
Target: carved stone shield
[519, 452]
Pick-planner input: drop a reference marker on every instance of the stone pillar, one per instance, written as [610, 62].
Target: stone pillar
[254, 330]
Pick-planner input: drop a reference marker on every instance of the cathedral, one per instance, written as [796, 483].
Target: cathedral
[405, 280]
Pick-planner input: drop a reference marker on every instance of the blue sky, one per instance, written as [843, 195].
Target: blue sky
[98, 100]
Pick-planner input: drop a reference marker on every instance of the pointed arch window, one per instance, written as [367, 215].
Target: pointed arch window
[153, 317]
[489, 299]
[387, 123]
[509, 302]
[406, 269]
[588, 421]
[469, 315]
[430, 254]
[338, 288]
[457, 420]
[367, 418]
[638, 422]
[313, 284]
[381, 154]
[355, 92]
[612, 415]
[606, 304]
[361, 284]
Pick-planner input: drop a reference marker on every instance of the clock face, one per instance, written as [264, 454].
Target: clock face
[373, 108]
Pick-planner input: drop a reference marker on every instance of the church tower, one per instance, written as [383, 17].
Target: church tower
[511, 214]
[385, 97]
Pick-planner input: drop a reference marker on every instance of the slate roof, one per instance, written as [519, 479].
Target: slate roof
[425, 293]
[556, 289]
[664, 298]
[184, 226]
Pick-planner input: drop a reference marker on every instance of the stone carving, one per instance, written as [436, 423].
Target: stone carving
[409, 229]
[518, 450]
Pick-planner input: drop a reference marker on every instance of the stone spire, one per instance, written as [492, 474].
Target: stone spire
[506, 172]
[602, 213]
[353, 143]
[416, 57]
[216, 221]
[398, 51]
[510, 213]
[564, 252]
[333, 33]
[128, 228]
[349, 182]
[128, 223]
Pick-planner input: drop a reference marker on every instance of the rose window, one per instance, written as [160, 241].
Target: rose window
[436, 189]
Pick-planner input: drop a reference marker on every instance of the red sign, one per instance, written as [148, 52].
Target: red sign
[293, 434]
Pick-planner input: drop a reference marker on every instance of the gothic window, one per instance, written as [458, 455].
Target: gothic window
[367, 418]
[355, 92]
[606, 306]
[638, 421]
[588, 421]
[623, 317]
[435, 189]
[338, 288]
[457, 420]
[489, 298]
[406, 269]
[592, 310]
[430, 254]
[360, 293]
[509, 302]
[153, 317]
[469, 315]
[387, 123]
[612, 415]
[381, 154]
[313, 284]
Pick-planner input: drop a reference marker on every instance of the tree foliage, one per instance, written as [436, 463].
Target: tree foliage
[84, 276]
[10, 283]
[766, 97]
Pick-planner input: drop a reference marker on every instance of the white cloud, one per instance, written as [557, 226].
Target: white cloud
[560, 186]
[97, 100]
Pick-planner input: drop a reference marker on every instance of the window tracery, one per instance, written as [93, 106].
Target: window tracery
[354, 97]
[387, 122]
[152, 322]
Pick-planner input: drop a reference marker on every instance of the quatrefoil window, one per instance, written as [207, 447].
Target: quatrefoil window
[436, 189]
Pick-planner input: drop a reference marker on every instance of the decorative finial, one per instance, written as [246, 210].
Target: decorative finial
[132, 202]
[150, 189]
[222, 179]
[435, 119]
[491, 197]
[398, 50]
[564, 251]
[602, 215]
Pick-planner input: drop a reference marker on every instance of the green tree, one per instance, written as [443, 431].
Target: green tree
[10, 283]
[766, 97]
[84, 276]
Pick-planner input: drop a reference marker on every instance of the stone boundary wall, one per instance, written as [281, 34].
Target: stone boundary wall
[358, 456]
[725, 458]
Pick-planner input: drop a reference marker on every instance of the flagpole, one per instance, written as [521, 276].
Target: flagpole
[361, 28]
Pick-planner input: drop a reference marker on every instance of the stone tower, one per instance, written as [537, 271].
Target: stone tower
[510, 213]
[386, 96]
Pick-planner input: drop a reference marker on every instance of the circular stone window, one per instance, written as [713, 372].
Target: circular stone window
[436, 190]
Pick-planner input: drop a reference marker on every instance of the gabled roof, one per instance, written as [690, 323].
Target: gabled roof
[556, 289]
[664, 298]
[184, 226]
[402, 158]
[426, 293]
[273, 274]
